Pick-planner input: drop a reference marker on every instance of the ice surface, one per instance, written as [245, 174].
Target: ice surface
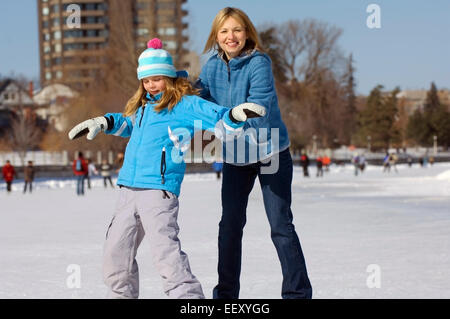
[399, 222]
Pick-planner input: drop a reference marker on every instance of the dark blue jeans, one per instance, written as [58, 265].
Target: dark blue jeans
[237, 184]
[80, 184]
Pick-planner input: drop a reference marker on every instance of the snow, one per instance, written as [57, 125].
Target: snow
[396, 222]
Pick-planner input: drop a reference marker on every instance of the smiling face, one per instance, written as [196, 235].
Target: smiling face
[154, 84]
[231, 37]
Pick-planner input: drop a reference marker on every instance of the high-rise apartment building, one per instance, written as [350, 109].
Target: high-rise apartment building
[74, 35]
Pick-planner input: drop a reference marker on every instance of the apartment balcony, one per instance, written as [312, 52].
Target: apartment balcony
[81, 1]
[88, 26]
[87, 13]
[84, 40]
[82, 53]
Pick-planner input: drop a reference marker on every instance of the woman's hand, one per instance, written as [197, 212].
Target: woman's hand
[92, 126]
[244, 111]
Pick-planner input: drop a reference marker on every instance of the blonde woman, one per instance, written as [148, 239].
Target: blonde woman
[240, 72]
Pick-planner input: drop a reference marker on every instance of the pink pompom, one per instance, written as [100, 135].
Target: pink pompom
[154, 43]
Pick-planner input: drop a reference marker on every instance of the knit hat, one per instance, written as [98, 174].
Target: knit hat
[156, 61]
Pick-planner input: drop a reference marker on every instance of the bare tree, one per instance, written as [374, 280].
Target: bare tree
[313, 97]
[25, 134]
[119, 80]
[292, 45]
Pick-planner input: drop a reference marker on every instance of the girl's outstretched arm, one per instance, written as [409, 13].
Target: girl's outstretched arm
[111, 123]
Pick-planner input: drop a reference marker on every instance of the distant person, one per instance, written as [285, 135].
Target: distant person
[386, 163]
[9, 173]
[80, 170]
[431, 160]
[393, 158]
[409, 160]
[217, 167]
[319, 165]
[421, 161]
[355, 162]
[28, 177]
[326, 161]
[425, 161]
[304, 162]
[105, 172]
[362, 163]
[91, 170]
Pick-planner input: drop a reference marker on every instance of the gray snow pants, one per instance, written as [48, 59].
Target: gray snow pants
[153, 213]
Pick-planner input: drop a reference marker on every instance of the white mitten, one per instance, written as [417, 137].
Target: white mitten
[90, 127]
[244, 111]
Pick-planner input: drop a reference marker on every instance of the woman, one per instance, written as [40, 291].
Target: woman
[241, 72]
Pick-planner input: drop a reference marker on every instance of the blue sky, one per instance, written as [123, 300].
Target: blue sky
[411, 49]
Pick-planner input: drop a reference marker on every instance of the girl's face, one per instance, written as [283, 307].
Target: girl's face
[154, 84]
[231, 37]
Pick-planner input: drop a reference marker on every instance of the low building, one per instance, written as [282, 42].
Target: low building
[51, 101]
[13, 98]
[415, 99]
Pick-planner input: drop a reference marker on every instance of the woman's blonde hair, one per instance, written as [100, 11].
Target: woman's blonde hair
[252, 35]
[175, 89]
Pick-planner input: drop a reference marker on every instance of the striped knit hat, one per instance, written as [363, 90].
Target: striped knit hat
[156, 61]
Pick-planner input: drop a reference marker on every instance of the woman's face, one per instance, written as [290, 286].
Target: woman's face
[231, 37]
[154, 84]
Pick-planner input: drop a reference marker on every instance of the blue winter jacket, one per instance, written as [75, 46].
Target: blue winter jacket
[247, 78]
[153, 156]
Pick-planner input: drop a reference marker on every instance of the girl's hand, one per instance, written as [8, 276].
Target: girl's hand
[244, 111]
[92, 126]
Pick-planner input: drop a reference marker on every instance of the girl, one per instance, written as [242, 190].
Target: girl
[153, 170]
[242, 68]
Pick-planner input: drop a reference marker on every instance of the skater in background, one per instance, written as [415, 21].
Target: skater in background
[28, 177]
[304, 162]
[362, 163]
[319, 165]
[9, 173]
[239, 71]
[386, 163]
[409, 160]
[217, 167]
[355, 162]
[91, 171]
[80, 169]
[105, 172]
[152, 172]
[326, 161]
[393, 158]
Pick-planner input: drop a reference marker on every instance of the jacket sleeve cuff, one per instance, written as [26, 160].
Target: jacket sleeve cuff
[230, 123]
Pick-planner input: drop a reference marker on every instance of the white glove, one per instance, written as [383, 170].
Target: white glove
[92, 126]
[244, 111]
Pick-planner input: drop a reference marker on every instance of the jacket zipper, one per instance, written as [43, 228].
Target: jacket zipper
[142, 116]
[163, 165]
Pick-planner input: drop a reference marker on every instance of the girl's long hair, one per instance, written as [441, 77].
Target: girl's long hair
[176, 88]
[252, 42]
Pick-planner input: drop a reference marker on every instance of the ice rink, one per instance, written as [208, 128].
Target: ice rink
[375, 235]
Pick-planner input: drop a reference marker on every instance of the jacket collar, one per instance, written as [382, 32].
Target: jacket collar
[154, 99]
[244, 56]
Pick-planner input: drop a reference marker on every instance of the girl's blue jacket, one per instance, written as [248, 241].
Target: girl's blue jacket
[153, 156]
[247, 78]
